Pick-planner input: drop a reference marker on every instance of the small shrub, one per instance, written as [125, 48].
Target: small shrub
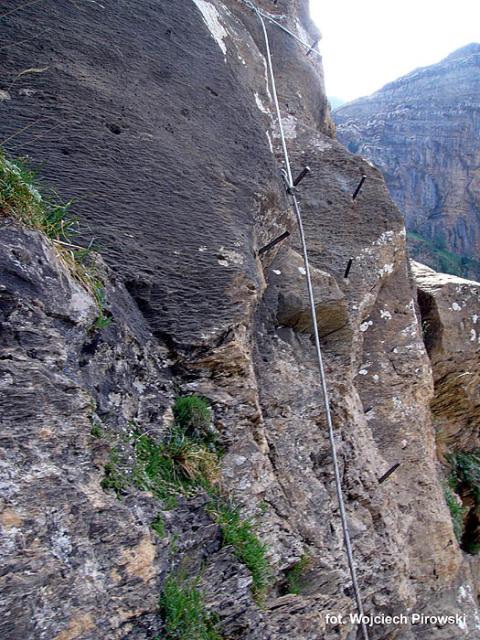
[247, 547]
[295, 575]
[193, 416]
[184, 614]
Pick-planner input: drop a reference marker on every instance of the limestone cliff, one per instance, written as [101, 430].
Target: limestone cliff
[158, 118]
[422, 132]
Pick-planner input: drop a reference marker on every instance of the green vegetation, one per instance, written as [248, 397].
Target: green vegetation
[193, 416]
[183, 464]
[465, 470]
[96, 431]
[247, 547]
[445, 260]
[22, 199]
[115, 478]
[158, 525]
[295, 575]
[104, 318]
[464, 479]
[177, 466]
[184, 614]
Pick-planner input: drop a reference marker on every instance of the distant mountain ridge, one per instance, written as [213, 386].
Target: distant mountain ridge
[423, 131]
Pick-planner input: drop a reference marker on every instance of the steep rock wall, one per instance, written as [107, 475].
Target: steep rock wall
[422, 132]
[170, 137]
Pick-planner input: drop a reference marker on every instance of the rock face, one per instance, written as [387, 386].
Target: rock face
[450, 309]
[422, 132]
[168, 139]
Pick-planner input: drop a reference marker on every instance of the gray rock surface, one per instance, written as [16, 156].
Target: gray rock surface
[422, 132]
[168, 132]
[450, 309]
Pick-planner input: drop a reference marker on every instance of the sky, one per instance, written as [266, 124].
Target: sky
[367, 43]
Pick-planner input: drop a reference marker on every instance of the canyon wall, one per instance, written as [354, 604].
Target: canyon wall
[422, 131]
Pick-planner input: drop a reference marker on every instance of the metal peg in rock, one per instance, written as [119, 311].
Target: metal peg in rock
[356, 193]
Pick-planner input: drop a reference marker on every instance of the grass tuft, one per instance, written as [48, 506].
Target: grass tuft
[193, 416]
[177, 466]
[184, 614]
[247, 547]
[21, 198]
[183, 464]
[114, 478]
[295, 575]
[96, 431]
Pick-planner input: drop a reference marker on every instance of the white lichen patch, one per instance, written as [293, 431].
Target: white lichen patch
[376, 378]
[474, 318]
[319, 144]
[473, 335]
[290, 127]
[363, 372]
[397, 403]
[386, 269]
[387, 237]
[260, 104]
[385, 315]
[365, 325]
[277, 272]
[229, 256]
[138, 386]
[267, 82]
[270, 144]
[4, 95]
[211, 18]
[302, 271]
[410, 330]
[456, 307]
[82, 306]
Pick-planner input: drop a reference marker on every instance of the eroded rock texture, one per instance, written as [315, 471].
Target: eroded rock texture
[450, 309]
[167, 136]
[422, 132]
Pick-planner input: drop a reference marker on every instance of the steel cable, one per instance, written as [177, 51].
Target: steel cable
[331, 432]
